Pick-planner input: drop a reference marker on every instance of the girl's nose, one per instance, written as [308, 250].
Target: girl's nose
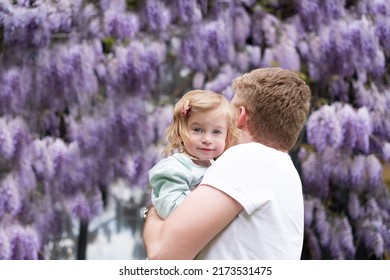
[206, 140]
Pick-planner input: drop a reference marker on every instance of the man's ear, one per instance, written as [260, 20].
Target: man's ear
[242, 117]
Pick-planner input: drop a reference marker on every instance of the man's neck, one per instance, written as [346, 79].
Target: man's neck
[248, 138]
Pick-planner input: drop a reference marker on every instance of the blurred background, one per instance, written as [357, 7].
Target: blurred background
[87, 89]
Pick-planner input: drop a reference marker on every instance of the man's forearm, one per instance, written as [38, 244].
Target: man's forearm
[152, 228]
[198, 219]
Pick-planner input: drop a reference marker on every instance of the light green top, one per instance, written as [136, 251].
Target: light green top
[172, 179]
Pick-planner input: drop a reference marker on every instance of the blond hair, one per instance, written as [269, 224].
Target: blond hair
[277, 102]
[198, 101]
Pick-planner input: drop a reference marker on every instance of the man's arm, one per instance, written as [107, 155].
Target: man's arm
[198, 219]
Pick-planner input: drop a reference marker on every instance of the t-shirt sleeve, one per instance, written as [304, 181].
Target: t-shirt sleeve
[169, 180]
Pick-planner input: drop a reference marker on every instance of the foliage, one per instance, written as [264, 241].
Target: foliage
[86, 89]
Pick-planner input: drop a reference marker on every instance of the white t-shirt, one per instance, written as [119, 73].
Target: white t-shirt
[265, 182]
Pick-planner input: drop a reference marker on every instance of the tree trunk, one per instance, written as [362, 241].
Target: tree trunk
[82, 240]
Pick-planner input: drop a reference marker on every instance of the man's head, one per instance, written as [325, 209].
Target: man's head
[276, 102]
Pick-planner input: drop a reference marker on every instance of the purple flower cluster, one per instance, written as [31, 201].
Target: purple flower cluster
[377, 100]
[309, 12]
[372, 231]
[156, 15]
[188, 11]
[340, 126]
[26, 26]
[38, 23]
[325, 231]
[344, 158]
[19, 243]
[207, 46]
[283, 54]
[118, 22]
[136, 66]
[321, 171]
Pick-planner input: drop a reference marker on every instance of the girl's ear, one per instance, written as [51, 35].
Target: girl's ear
[242, 117]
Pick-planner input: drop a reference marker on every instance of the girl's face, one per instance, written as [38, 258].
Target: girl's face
[206, 135]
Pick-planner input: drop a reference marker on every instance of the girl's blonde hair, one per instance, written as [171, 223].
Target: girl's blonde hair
[198, 101]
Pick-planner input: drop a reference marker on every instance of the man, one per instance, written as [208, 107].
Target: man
[250, 203]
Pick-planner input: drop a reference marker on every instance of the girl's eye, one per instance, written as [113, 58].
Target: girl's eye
[197, 129]
[217, 131]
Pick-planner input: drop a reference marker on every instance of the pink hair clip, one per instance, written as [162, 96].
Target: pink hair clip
[186, 111]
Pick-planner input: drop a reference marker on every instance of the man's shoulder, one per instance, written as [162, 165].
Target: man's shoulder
[254, 147]
[244, 148]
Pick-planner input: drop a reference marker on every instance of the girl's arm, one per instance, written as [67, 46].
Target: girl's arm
[169, 180]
